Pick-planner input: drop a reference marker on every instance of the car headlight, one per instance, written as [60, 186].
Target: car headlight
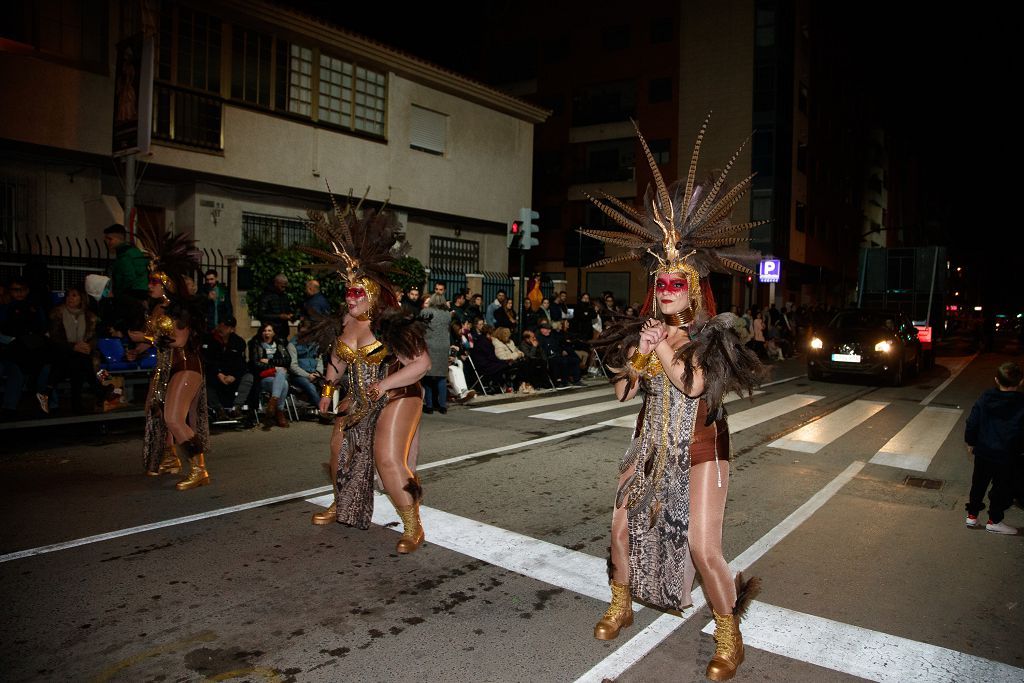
[816, 343]
[883, 346]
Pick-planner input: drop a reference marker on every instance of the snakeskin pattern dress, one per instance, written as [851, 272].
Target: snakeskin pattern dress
[354, 485]
[657, 495]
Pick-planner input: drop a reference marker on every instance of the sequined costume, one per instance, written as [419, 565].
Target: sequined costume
[365, 366]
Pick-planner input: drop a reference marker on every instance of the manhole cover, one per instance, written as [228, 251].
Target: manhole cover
[922, 483]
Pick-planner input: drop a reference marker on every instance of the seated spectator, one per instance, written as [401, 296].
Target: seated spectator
[474, 309]
[505, 350]
[306, 366]
[269, 361]
[563, 363]
[458, 390]
[506, 316]
[72, 342]
[228, 380]
[315, 305]
[485, 360]
[535, 366]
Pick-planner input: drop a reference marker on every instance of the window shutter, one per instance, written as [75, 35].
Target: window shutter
[428, 130]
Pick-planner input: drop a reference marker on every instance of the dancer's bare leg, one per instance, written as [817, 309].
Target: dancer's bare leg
[707, 512]
[414, 452]
[619, 571]
[181, 391]
[393, 437]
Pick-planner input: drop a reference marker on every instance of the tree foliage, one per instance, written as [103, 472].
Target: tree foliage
[265, 260]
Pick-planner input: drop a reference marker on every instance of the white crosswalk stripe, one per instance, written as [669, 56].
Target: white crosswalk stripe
[916, 444]
[554, 399]
[812, 437]
[587, 409]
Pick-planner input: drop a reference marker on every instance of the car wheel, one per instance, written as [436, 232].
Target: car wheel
[897, 375]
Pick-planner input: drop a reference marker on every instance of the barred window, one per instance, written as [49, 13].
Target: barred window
[277, 230]
[335, 91]
[451, 255]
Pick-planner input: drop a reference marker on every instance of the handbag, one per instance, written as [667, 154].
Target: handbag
[269, 372]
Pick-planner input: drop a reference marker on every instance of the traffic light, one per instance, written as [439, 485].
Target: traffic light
[528, 228]
[515, 232]
[750, 281]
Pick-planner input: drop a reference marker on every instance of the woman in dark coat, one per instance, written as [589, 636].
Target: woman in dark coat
[435, 383]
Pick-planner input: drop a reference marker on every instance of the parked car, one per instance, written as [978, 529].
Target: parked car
[882, 344]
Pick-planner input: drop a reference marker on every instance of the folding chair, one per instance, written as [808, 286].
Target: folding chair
[479, 380]
[600, 363]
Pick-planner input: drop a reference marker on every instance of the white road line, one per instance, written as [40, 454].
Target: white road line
[636, 648]
[270, 501]
[861, 652]
[917, 443]
[812, 437]
[955, 368]
[769, 411]
[160, 525]
[629, 421]
[510, 447]
[586, 409]
[539, 402]
[782, 381]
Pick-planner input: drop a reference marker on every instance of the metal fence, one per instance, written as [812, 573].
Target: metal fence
[280, 231]
[453, 282]
[492, 282]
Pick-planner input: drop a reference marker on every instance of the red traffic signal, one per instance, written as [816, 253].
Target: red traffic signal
[516, 227]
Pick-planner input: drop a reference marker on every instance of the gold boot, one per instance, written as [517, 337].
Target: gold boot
[412, 535]
[326, 516]
[197, 476]
[728, 648]
[618, 615]
[171, 463]
[728, 639]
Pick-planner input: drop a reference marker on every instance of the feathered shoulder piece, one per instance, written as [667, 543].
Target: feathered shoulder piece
[620, 333]
[361, 244]
[323, 330]
[727, 365]
[404, 334]
[172, 256]
[681, 227]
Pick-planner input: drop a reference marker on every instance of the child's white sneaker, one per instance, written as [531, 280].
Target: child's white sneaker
[1000, 528]
[972, 521]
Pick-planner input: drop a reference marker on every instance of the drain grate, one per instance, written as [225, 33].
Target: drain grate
[922, 483]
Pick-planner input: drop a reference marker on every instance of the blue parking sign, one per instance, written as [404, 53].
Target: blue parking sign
[769, 270]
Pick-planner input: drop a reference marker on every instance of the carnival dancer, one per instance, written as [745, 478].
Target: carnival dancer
[674, 478]
[380, 353]
[177, 423]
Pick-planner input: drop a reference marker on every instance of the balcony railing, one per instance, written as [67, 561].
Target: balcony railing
[188, 118]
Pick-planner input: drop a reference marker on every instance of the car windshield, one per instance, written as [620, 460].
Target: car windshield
[859, 320]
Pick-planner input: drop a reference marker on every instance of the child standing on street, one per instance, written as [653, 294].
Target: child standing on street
[995, 438]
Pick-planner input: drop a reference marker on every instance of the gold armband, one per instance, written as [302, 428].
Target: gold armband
[638, 361]
[327, 391]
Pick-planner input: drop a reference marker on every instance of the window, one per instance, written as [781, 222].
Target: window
[607, 161]
[659, 90]
[604, 103]
[761, 205]
[765, 32]
[801, 157]
[370, 99]
[660, 150]
[14, 211]
[198, 45]
[661, 30]
[251, 60]
[71, 30]
[452, 255]
[428, 130]
[293, 90]
[335, 90]
[277, 230]
[801, 217]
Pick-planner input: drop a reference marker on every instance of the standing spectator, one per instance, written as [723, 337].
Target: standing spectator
[218, 304]
[459, 308]
[440, 288]
[130, 273]
[306, 364]
[474, 310]
[506, 316]
[995, 439]
[563, 363]
[609, 303]
[269, 360]
[228, 380]
[559, 307]
[275, 308]
[544, 313]
[529, 315]
[496, 305]
[22, 343]
[581, 326]
[758, 342]
[315, 305]
[435, 382]
[411, 304]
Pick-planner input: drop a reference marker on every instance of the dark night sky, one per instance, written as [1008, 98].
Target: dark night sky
[937, 78]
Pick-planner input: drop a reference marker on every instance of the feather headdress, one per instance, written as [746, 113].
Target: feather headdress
[361, 244]
[683, 227]
[172, 257]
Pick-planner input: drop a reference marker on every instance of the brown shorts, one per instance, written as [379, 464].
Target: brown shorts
[708, 439]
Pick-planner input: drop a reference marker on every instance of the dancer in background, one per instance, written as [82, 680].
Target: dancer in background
[674, 478]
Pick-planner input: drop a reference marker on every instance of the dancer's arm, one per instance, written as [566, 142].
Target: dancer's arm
[626, 388]
[412, 370]
[335, 369]
[675, 370]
